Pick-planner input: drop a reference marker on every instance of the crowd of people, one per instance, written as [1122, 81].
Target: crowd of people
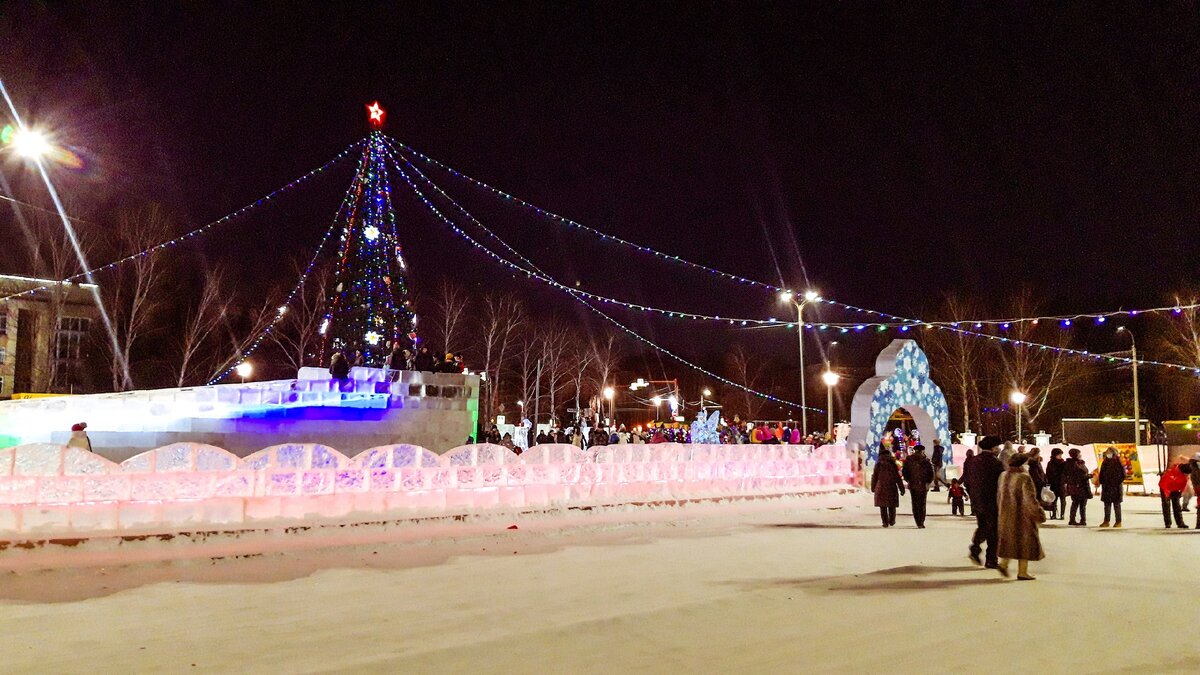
[399, 358]
[584, 433]
[1011, 493]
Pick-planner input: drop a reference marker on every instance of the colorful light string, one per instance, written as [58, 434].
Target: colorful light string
[199, 230]
[539, 274]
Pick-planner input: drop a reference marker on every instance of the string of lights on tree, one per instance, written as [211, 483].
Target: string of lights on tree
[339, 217]
[1065, 319]
[203, 229]
[903, 324]
[369, 307]
[536, 272]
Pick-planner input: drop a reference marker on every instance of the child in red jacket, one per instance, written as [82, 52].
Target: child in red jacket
[1170, 487]
[957, 493]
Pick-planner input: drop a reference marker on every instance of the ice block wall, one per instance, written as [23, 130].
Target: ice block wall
[52, 488]
[372, 408]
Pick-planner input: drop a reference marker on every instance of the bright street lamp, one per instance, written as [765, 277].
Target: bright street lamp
[831, 379]
[30, 143]
[244, 370]
[609, 393]
[1018, 398]
[809, 296]
[1137, 413]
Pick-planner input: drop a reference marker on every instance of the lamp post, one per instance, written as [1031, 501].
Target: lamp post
[706, 393]
[1137, 413]
[1018, 398]
[657, 401]
[831, 379]
[809, 296]
[610, 393]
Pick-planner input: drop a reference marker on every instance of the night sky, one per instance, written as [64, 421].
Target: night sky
[891, 152]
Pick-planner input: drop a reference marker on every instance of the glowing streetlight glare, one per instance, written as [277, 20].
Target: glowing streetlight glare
[785, 296]
[244, 369]
[830, 378]
[609, 393]
[30, 144]
[810, 296]
[520, 404]
[707, 393]
[656, 400]
[673, 401]
[1017, 397]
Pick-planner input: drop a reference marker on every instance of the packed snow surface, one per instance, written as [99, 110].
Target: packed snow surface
[793, 585]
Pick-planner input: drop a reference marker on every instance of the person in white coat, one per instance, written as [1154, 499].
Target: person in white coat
[521, 434]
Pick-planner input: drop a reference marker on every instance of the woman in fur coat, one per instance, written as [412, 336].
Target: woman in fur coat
[1020, 516]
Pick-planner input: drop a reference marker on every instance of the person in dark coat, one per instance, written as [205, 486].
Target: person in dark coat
[962, 479]
[339, 367]
[1112, 484]
[424, 361]
[939, 460]
[1054, 478]
[1078, 486]
[918, 473]
[1036, 473]
[983, 480]
[885, 481]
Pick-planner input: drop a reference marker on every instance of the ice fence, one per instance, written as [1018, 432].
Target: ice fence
[45, 487]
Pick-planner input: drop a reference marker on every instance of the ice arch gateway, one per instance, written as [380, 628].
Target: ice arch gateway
[901, 381]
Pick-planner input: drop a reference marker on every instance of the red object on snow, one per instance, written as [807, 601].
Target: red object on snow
[513, 527]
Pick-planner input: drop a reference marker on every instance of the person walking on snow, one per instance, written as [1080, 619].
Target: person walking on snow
[1078, 486]
[1020, 515]
[885, 481]
[982, 483]
[1112, 484]
[918, 473]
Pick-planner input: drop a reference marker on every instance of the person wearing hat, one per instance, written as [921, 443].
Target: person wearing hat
[1170, 487]
[983, 480]
[1020, 514]
[79, 438]
[1054, 478]
[918, 473]
[938, 458]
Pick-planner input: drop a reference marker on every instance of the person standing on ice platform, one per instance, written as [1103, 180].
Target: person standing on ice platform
[918, 473]
[885, 481]
[983, 480]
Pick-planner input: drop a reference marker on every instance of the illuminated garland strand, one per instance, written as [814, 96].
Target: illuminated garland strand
[571, 223]
[538, 274]
[1099, 317]
[198, 231]
[573, 292]
[904, 322]
[312, 263]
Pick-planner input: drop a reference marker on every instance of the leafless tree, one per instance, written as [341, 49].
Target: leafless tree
[958, 356]
[1038, 372]
[503, 318]
[202, 320]
[56, 259]
[529, 353]
[242, 329]
[298, 332]
[1181, 334]
[746, 370]
[607, 350]
[138, 291]
[450, 306]
[582, 357]
[556, 340]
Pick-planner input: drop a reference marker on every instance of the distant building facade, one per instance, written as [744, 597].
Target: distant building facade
[44, 335]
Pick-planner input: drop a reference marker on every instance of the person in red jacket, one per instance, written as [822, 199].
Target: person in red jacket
[1170, 487]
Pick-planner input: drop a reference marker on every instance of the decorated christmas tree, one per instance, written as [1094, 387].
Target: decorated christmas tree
[368, 308]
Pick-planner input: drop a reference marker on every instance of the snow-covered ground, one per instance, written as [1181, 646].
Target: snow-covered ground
[776, 586]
